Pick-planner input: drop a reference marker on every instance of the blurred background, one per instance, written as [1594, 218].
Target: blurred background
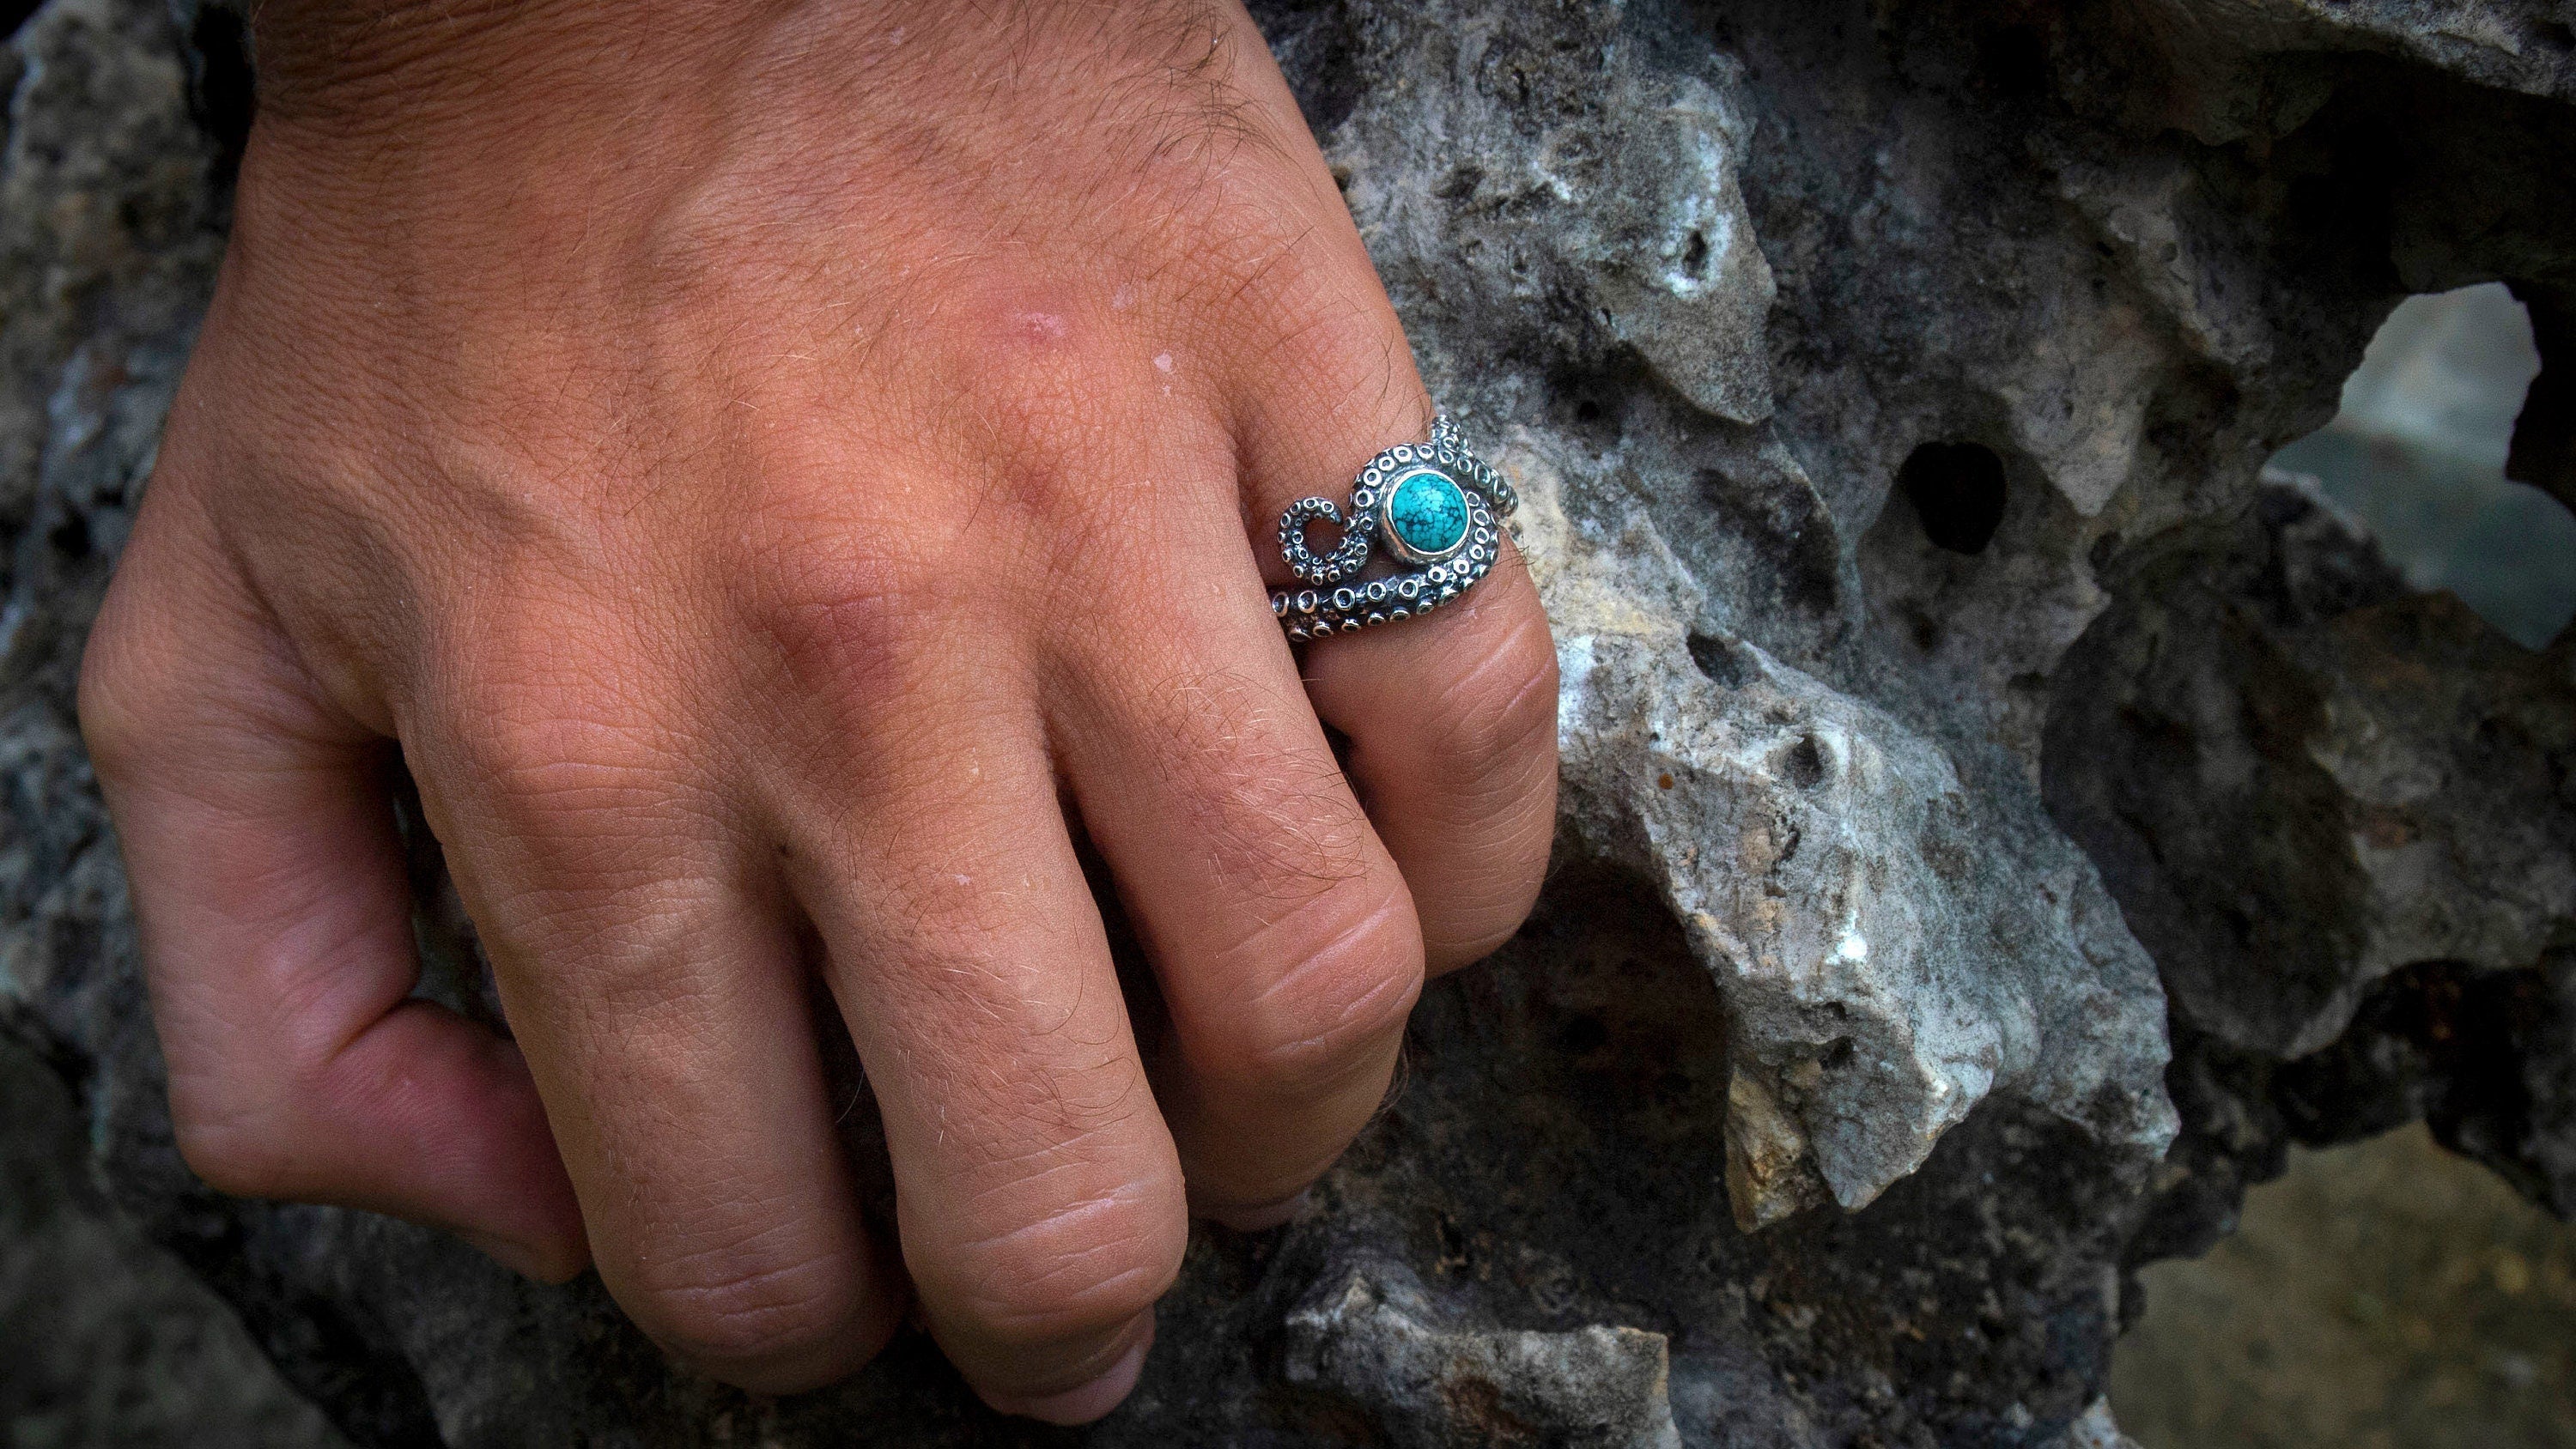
[2384, 1295]
[2388, 1294]
[2417, 456]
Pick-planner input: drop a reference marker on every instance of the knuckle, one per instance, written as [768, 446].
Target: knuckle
[1040, 389]
[580, 818]
[1330, 337]
[553, 772]
[1046, 477]
[1347, 967]
[115, 720]
[128, 699]
[737, 1309]
[1328, 333]
[548, 727]
[550, 749]
[1082, 1269]
[840, 621]
[229, 1135]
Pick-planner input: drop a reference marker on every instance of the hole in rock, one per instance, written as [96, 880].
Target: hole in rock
[1804, 763]
[1453, 1242]
[1593, 402]
[1695, 255]
[1718, 660]
[1957, 489]
[1599, 1060]
[1583, 1034]
[2014, 59]
[2417, 456]
[70, 537]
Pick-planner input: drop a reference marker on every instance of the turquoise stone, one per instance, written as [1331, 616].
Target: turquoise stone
[1429, 512]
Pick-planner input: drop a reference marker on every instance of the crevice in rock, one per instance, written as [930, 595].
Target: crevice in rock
[2479, 1055]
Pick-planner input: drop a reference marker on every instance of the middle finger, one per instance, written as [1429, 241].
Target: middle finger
[1039, 1199]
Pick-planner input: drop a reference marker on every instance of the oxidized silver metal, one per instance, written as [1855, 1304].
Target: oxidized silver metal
[1334, 602]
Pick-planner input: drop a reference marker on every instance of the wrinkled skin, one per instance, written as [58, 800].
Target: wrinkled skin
[781, 475]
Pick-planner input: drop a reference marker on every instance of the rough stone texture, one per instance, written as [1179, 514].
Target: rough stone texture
[1889, 386]
[1377, 1339]
[107, 1340]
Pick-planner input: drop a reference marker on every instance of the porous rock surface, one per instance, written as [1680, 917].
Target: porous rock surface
[1969, 760]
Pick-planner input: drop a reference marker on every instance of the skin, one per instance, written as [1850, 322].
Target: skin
[778, 475]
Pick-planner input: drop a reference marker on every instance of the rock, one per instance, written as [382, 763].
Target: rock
[2096, 1430]
[1889, 388]
[2302, 777]
[108, 1339]
[1375, 1342]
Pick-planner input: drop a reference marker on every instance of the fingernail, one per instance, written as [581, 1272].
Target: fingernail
[1084, 1404]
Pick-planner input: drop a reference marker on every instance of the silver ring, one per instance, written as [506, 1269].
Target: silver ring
[1436, 507]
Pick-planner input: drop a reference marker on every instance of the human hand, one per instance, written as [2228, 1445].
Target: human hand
[781, 473]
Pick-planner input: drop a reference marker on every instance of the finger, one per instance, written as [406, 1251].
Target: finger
[649, 961]
[1039, 1196]
[1452, 725]
[269, 891]
[1451, 715]
[1280, 930]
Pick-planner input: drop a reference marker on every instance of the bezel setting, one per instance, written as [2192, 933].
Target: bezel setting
[1393, 537]
[1334, 600]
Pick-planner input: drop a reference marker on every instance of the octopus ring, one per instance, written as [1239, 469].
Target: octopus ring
[1437, 509]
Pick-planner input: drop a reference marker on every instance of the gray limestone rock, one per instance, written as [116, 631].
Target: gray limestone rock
[1375, 1340]
[1994, 823]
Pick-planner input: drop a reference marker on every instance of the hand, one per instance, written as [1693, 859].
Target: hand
[780, 474]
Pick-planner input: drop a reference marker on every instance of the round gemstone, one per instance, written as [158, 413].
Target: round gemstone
[1429, 512]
